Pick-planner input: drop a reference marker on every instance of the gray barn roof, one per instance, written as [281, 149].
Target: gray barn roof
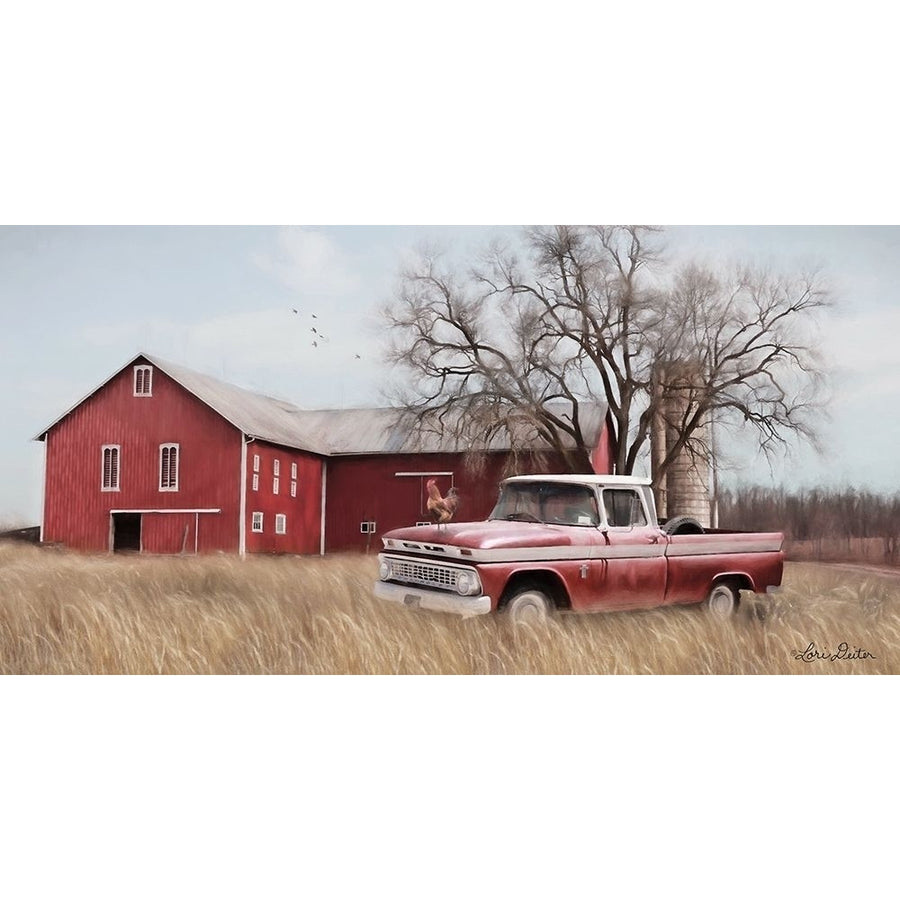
[327, 432]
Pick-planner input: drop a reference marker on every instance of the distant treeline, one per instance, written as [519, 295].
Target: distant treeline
[819, 523]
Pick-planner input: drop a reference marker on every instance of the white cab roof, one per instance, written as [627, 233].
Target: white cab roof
[608, 480]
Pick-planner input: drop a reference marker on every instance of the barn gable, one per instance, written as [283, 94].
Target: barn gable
[141, 465]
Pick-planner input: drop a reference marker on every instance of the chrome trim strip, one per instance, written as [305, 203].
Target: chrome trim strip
[724, 546]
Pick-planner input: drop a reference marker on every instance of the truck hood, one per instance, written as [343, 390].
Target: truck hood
[461, 538]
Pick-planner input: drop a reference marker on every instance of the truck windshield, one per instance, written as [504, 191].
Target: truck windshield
[553, 503]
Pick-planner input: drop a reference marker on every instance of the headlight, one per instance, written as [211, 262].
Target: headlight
[468, 583]
[384, 570]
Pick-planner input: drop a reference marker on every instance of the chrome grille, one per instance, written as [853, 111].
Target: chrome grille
[423, 573]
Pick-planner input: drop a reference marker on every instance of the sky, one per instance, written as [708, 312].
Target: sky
[78, 303]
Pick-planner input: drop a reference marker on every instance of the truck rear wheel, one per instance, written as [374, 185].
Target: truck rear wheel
[529, 605]
[723, 599]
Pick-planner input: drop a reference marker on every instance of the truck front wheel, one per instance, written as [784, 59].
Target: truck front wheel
[529, 605]
[723, 599]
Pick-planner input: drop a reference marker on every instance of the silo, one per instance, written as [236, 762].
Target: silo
[684, 489]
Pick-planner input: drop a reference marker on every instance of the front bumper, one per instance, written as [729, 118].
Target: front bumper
[418, 597]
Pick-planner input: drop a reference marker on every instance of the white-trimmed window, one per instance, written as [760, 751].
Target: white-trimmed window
[143, 381]
[256, 482]
[293, 488]
[276, 467]
[255, 462]
[168, 467]
[367, 528]
[275, 482]
[623, 508]
[257, 525]
[294, 471]
[109, 475]
[280, 523]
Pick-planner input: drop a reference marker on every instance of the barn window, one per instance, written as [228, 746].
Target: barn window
[255, 462]
[293, 488]
[280, 523]
[367, 528]
[294, 471]
[143, 381]
[257, 525]
[276, 467]
[109, 479]
[275, 485]
[168, 467]
[256, 482]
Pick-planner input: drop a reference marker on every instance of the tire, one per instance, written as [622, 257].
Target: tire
[723, 600]
[530, 605]
[682, 525]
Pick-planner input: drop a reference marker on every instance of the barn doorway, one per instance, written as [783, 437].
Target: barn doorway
[126, 532]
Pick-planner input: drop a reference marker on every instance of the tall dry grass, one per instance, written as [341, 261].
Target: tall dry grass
[63, 613]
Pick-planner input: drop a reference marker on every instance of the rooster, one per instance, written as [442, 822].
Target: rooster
[441, 508]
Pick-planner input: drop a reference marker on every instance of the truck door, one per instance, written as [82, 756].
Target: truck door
[628, 556]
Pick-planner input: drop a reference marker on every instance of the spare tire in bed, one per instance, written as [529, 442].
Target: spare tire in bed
[682, 525]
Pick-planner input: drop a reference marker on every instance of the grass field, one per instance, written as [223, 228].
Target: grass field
[63, 613]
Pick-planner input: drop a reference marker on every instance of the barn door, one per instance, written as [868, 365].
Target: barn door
[126, 529]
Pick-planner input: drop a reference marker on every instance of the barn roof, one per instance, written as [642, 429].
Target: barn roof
[326, 432]
[254, 414]
[382, 431]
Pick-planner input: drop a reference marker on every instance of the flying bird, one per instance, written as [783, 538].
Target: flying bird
[441, 508]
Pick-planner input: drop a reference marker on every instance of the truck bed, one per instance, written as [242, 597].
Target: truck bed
[694, 559]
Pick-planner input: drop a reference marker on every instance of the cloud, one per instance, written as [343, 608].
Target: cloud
[312, 264]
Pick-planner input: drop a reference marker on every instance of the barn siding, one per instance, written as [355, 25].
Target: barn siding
[303, 512]
[367, 489]
[77, 511]
[605, 452]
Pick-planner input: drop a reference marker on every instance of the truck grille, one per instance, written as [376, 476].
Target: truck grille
[423, 573]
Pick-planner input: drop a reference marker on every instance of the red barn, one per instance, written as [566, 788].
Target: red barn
[162, 459]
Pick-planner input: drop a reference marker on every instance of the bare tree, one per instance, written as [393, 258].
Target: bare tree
[521, 341]
[739, 347]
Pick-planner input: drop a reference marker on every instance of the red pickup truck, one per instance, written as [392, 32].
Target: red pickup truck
[573, 542]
